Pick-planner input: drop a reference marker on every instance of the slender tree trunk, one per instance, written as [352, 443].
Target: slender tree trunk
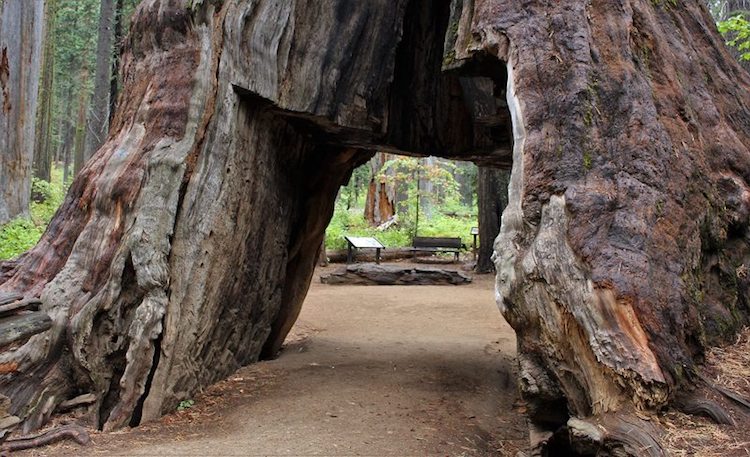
[117, 38]
[492, 196]
[79, 156]
[67, 133]
[21, 28]
[43, 144]
[186, 245]
[98, 118]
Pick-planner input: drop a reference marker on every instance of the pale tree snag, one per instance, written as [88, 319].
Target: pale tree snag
[21, 31]
[380, 205]
[186, 245]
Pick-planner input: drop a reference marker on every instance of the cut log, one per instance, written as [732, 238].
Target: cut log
[339, 255]
[18, 329]
[390, 275]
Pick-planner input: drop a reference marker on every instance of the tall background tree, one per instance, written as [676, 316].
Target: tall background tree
[492, 198]
[98, 118]
[21, 29]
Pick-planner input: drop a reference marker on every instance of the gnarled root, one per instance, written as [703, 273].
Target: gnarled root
[74, 432]
[616, 435]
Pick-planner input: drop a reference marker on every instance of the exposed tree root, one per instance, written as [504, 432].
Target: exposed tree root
[74, 432]
[699, 406]
[616, 435]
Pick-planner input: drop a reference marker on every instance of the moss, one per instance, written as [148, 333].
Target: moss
[666, 4]
[659, 207]
[587, 160]
[450, 57]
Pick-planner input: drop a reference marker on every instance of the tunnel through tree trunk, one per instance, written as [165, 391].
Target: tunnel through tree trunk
[186, 245]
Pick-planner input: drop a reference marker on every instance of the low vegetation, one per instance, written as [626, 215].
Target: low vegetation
[22, 233]
[443, 212]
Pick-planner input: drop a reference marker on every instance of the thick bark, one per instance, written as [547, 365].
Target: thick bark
[624, 243]
[97, 124]
[492, 198]
[186, 245]
[21, 27]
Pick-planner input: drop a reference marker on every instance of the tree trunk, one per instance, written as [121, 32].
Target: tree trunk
[380, 205]
[67, 133]
[186, 245]
[21, 27]
[492, 198]
[98, 119]
[79, 139]
[43, 141]
[117, 37]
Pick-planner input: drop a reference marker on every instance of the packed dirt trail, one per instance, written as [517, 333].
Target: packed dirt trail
[392, 370]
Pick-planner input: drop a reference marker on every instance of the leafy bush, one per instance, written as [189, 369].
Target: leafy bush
[17, 236]
[21, 234]
[737, 32]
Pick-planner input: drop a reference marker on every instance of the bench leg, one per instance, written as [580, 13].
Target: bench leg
[349, 255]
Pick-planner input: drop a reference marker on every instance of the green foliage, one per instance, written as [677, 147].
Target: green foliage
[450, 217]
[409, 174]
[736, 30]
[185, 404]
[21, 234]
[17, 236]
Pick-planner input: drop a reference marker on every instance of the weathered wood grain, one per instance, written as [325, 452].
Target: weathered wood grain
[9, 297]
[20, 305]
[17, 329]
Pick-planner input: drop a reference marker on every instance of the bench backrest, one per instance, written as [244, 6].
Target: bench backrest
[436, 242]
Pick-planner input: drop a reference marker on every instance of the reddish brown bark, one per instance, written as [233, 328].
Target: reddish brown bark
[185, 247]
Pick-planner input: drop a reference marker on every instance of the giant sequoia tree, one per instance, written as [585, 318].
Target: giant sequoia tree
[186, 245]
[21, 27]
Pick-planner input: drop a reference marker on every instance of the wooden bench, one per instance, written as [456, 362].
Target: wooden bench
[436, 245]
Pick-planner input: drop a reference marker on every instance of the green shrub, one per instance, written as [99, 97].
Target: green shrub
[18, 236]
[21, 234]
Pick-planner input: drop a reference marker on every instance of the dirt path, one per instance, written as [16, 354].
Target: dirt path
[367, 371]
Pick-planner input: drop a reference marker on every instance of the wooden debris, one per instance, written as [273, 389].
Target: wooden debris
[81, 400]
[369, 275]
[20, 305]
[9, 297]
[18, 329]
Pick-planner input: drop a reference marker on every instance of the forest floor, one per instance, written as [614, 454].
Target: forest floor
[370, 371]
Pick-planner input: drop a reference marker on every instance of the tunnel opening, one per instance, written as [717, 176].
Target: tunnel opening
[461, 113]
